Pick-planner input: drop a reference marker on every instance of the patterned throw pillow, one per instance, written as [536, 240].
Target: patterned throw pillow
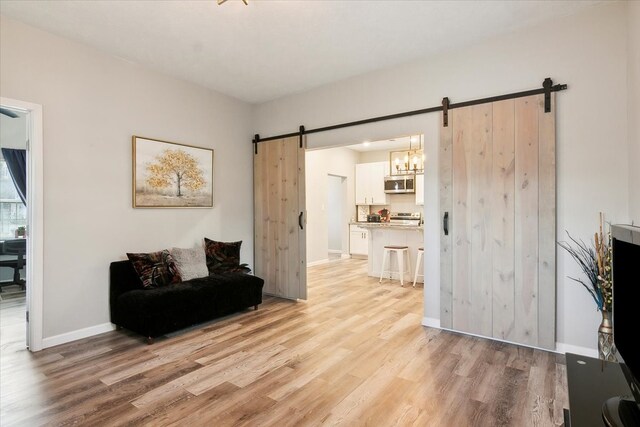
[223, 257]
[191, 263]
[155, 269]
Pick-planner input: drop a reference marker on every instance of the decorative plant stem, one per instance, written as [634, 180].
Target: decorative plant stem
[595, 261]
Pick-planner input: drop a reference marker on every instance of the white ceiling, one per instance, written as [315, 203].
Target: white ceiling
[395, 144]
[271, 49]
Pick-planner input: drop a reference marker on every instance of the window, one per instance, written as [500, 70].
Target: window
[13, 213]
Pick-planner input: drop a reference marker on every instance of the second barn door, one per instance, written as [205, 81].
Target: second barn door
[279, 217]
[497, 200]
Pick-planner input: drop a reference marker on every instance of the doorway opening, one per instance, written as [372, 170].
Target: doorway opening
[13, 224]
[345, 190]
[337, 223]
[21, 224]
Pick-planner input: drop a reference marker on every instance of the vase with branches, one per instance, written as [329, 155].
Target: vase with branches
[594, 259]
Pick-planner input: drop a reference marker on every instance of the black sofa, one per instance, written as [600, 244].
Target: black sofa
[155, 312]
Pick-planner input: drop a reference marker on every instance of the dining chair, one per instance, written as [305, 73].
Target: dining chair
[17, 247]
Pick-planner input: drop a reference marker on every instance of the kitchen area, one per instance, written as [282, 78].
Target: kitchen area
[397, 232]
[380, 203]
[389, 203]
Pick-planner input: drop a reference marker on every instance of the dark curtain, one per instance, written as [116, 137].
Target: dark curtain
[17, 165]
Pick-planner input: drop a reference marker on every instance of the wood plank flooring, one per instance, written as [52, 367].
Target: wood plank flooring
[353, 354]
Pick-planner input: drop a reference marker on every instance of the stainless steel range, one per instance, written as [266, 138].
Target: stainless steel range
[405, 218]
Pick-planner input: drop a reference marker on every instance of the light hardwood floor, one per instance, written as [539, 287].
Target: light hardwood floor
[354, 354]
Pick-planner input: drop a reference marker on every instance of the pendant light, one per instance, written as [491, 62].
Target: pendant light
[409, 161]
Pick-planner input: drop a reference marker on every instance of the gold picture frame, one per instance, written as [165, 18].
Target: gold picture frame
[171, 175]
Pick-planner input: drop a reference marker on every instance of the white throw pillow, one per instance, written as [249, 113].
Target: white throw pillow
[191, 263]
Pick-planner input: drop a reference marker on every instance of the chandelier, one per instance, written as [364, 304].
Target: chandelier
[409, 161]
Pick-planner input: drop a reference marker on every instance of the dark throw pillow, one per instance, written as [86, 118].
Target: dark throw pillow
[223, 257]
[155, 269]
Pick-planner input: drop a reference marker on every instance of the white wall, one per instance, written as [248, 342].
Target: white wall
[92, 104]
[320, 164]
[633, 49]
[586, 51]
[373, 156]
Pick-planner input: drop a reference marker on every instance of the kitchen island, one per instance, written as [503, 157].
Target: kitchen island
[382, 234]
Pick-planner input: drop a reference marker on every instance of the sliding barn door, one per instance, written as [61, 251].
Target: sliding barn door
[497, 201]
[279, 219]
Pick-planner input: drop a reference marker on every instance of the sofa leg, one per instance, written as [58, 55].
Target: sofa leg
[149, 340]
[255, 307]
[118, 328]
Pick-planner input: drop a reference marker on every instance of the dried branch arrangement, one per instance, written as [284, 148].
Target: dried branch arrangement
[595, 261]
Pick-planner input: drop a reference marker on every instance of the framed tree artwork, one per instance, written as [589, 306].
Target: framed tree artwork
[171, 175]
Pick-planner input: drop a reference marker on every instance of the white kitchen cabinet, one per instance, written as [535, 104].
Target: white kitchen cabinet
[370, 183]
[378, 172]
[358, 240]
[420, 189]
[362, 183]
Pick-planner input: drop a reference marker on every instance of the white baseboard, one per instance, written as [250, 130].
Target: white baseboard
[431, 322]
[325, 261]
[77, 335]
[570, 348]
[335, 251]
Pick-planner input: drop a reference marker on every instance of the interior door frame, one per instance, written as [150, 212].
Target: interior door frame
[35, 220]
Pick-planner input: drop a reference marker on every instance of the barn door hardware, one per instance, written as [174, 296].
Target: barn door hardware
[256, 140]
[547, 94]
[546, 89]
[445, 111]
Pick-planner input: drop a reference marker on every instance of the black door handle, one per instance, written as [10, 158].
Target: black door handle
[300, 221]
[445, 223]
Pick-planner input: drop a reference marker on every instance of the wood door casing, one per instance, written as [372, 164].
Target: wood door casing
[497, 183]
[279, 200]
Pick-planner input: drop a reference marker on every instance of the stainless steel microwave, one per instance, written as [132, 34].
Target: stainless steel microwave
[400, 184]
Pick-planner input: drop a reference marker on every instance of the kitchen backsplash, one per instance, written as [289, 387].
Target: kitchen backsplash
[362, 213]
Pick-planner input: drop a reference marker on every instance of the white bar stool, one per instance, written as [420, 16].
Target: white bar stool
[400, 252]
[418, 262]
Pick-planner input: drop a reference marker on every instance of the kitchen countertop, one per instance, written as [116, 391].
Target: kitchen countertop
[381, 234]
[386, 225]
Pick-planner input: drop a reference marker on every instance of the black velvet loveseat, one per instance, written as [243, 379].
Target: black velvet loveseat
[157, 311]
